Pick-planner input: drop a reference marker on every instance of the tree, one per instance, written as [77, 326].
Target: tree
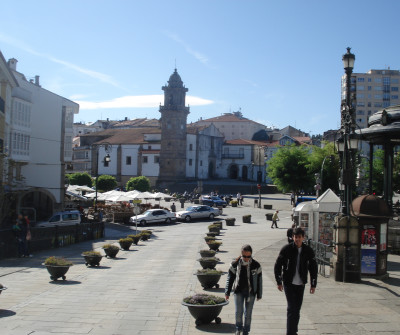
[331, 166]
[106, 183]
[141, 184]
[80, 179]
[288, 169]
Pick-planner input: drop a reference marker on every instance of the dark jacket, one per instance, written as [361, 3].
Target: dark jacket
[255, 280]
[286, 264]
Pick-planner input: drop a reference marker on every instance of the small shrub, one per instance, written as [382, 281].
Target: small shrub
[110, 246]
[57, 261]
[125, 240]
[207, 253]
[211, 226]
[209, 259]
[209, 238]
[146, 232]
[233, 203]
[91, 253]
[203, 299]
[209, 272]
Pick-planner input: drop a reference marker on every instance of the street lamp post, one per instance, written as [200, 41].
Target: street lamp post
[106, 160]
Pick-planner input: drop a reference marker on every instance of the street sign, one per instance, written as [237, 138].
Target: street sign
[137, 201]
[136, 210]
[258, 186]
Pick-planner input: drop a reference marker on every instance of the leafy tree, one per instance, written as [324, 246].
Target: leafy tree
[140, 183]
[288, 169]
[331, 166]
[80, 179]
[106, 183]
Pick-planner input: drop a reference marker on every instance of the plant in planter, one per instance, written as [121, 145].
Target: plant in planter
[207, 253]
[234, 203]
[209, 238]
[209, 278]
[230, 221]
[57, 267]
[125, 243]
[144, 236]
[214, 228]
[135, 238]
[208, 262]
[246, 218]
[92, 258]
[110, 250]
[218, 223]
[214, 245]
[212, 234]
[205, 307]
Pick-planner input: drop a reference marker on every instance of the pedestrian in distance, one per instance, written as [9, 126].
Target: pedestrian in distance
[291, 269]
[292, 198]
[245, 281]
[274, 219]
[289, 233]
[173, 207]
[20, 230]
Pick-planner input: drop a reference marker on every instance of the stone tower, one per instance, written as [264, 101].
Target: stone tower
[173, 131]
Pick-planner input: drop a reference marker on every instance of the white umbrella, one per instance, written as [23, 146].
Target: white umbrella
[146, 195]
[91, 195]
[118, 198]
[161, 195]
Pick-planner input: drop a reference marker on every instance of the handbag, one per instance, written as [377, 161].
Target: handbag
[28, 235]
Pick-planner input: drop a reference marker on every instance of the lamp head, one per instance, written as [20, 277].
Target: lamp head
[348, 60]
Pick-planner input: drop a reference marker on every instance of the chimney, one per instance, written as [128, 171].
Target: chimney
[126, 118]
[12, 64]
[37, 80]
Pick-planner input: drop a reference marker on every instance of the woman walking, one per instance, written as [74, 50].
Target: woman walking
[245, 281]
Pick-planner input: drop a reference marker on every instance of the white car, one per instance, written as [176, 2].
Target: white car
[67, 218]
[198, 212]
[153, 216]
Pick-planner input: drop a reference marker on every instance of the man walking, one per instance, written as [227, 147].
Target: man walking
[274, 219]
[295, 260]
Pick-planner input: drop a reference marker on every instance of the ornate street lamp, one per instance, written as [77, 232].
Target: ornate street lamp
[106, 161]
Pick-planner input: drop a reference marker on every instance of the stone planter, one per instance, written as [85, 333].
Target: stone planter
[218, 223]
[92, 260]
[205, 314]
[135, 238]
[214, 230]
[234, 204]
[246, 218]
[209, 280]
[207, 253]
[125, 245]
[230, 221]
[214, 245]
[212, 234]
[208, 262]
[267, 206]
[57, 271]
[111, 252]
[269, 216]
[209, 238]
[145, 237]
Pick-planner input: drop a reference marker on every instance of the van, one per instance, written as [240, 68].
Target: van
[65, 218]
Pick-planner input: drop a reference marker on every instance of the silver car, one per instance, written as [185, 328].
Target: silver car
[197, 212]
[153, 216]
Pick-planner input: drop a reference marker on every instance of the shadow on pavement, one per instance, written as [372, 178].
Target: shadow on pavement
[388, 281]
[65, 282]
[99, 267]
[222, 328]
[4, 313]
[393, 266]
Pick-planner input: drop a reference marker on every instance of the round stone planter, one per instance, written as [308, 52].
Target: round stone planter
[209, 238]
[145, 237]
[111, 252]
[208, 262]
[214, 230]
[205, 314]
[218, 223]
[208, 280]
[214, 246]
[92, 260]
[246, 218]
[212, 234]
[135, 239]
[57, 271]
[125, 245]
[207, 253]
[230, 222]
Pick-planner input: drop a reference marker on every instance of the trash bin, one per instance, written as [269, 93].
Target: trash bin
[269, 216]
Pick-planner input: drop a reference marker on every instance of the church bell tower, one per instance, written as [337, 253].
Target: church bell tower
[173, 131]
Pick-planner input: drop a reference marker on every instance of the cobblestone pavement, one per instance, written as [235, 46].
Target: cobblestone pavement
[140, 292]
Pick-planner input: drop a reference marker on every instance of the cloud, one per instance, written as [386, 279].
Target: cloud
[196, 54]
[138, 101]
[90, 73]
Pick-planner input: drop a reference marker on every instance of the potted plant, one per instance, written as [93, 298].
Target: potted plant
[212, 234]
[230, 221]
[218, 223]
[135, 238]
[125, 243]
[144, 236]
[205, 307]
[207, 253]
[214, 228]
[209, 278]
[110, 250]
[246, 218]
[208, 262]
[209, 238]
[57, 267]
[234, 203]
[214, 245]
[92, 258]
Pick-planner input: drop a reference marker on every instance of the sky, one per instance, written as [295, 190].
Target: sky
[278, 62]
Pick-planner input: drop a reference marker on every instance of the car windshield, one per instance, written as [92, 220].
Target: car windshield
[147, 213]
[191, 209]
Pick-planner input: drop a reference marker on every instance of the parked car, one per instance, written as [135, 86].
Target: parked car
[153, 216]
[65, 218]
[213, 201]
[197, 212]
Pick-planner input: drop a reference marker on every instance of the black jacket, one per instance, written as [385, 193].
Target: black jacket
[285, 265]
[255, 280]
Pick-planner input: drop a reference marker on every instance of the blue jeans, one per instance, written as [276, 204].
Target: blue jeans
[294, 296]
[244, 303]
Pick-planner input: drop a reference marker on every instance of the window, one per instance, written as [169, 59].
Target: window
[378, 88]
[145, 159]
[395, 96]
[360, 104]
[386, 96]
[377, 104]
[360, 112]
[360, 96]
[386, 81]
[149, 147]
[190, 147]
[369, 104]
[395, 89]
[360, 88]
[190, 162]
[369, 112]
[353, 80]
[369, 88]
[369, 80]
[394, 81]
[128, 160]
[201, 163]
[360, 80]
[378, 80]
[378, 96]
[156, 159]
[386, 104]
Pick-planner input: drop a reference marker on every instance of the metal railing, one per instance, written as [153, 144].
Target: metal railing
[323, 255]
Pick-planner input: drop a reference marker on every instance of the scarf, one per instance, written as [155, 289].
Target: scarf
[239, 269]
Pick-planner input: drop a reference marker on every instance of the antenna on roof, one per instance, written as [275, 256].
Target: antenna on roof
[175, 63]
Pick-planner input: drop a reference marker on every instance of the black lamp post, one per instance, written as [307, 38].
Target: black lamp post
[106, 160]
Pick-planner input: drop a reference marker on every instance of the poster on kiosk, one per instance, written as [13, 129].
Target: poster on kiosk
[368, 249]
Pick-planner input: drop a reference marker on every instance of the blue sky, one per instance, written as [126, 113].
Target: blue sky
[277, 61]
